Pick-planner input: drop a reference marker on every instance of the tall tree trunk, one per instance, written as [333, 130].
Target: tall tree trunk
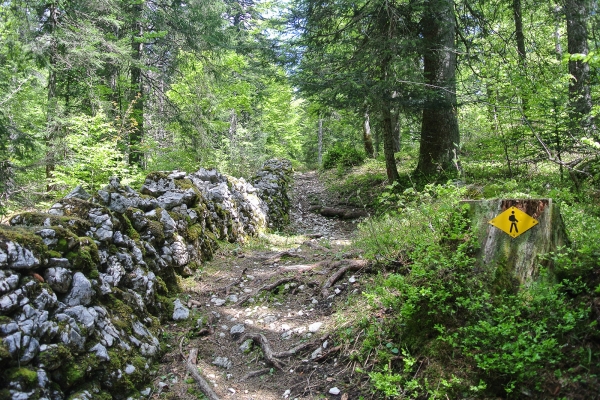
[396, 131]
[232, 134]
[52, 107]
[580, 98]
[522, 54]
[367, 138]
[136, 129]
[388, 144]
[439, 128]
[320, 142]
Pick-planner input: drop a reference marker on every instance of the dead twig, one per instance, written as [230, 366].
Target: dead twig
[252, 374]
[267, 287]
[302, 267]
[203, 385]
[350, 265]
[237, 281]
[327, 354]
[190, 366]
[300, 347]
[262, 341]
[277, 257]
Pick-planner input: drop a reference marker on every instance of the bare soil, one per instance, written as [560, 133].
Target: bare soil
[287, 292]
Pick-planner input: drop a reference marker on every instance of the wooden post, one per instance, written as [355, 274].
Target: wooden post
[514, 261]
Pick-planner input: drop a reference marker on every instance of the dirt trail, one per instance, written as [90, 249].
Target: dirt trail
[276, 297]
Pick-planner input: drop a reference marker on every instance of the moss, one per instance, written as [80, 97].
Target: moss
[161, 286]
[76, 224]
[54, 357]
[128, 228]
[156, 229]
[25, 376]
[26, 237]
[121, 313]
[85, 258]
[194, 232]
[157, 175]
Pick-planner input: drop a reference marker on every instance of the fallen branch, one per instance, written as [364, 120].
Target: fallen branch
[237, 281]
[350, 265]
[300, 347]
[342, 213]
[268, 287]
[313, 245]
[252, 374]
[262, 341]
[328, 353]
[277, 257]
[302, 267]
[203, 385]
[190, 366]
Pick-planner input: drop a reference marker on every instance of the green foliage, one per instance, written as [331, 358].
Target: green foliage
[460, 336]
[343, 155]
[93, 156]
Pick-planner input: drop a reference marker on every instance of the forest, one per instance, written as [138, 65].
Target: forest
[404, 107]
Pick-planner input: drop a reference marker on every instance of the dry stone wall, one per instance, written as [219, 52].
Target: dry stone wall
[84, 287]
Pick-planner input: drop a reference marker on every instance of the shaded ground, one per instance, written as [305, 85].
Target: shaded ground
[277, 287]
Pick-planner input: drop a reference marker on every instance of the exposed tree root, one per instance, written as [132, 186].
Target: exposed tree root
[190, 366]
[252, 374]
[315, 246]
[349, 265]
[262, 341]
[237, 281]
[300, 347]
[268, 287]
[342, 213]
[277, 257]
[327, 354]
[203, 385]
[302, 267]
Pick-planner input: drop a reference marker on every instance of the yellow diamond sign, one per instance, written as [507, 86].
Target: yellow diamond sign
[514, 222]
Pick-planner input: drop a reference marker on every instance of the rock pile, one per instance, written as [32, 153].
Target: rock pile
[85, 286]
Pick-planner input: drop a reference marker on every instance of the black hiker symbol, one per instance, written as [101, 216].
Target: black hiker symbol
[513, 222]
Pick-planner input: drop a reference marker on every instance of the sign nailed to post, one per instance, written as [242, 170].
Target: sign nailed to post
[514, 222]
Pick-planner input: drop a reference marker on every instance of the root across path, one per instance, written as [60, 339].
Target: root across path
[262, 316]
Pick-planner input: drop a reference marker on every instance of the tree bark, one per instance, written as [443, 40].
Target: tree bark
[52, 106]
[367, 138]
[439, 128]
[396, 131]
[320, 142]
[388, 144]
[521, 52]
[580, 98]
[136, 99]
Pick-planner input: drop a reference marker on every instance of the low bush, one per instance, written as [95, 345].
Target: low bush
[343, 155]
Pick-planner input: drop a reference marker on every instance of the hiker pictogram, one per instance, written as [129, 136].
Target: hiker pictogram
[514, 222]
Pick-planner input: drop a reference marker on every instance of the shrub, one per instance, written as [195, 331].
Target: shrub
[343, 155]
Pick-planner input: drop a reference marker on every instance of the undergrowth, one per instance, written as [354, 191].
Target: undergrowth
[438, 327]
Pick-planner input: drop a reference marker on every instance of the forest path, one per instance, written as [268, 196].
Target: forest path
[281, 291]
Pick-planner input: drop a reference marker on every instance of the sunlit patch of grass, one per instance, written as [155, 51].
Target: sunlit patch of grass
[274, 242]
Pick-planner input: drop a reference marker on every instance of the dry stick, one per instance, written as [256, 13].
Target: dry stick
[202, 384]
[330, 352]
[300, 347]
[237, 281]
[351, 265]
[268, 287]
[260, 339]
[302, 267]
[190, 366]
[277, 257]
[252, 374]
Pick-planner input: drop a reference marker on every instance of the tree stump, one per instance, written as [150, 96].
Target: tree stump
[512, 262]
